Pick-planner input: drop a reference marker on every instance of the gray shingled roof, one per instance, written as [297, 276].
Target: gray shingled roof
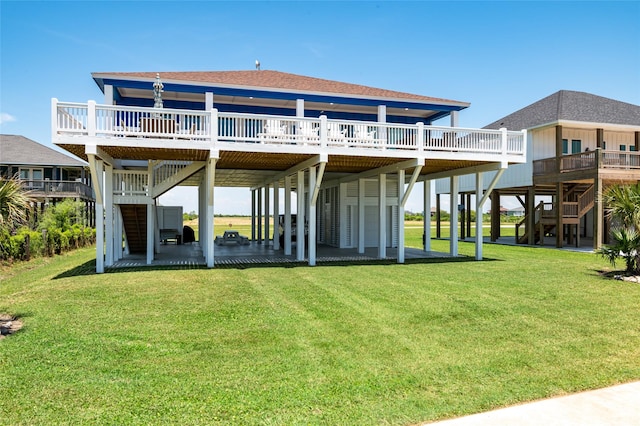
[571, 106]
[16, 149]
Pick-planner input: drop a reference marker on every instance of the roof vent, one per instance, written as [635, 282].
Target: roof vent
[257, 65]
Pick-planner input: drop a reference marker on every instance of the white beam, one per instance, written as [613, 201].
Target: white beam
[382, 216]
[318, 183]
[412, 181]
[492, 185]
[108, 203]
[287, 215]
[391, 168]
[312, 216]
[300, 216]
[453, 223]
[211, 175]
[427, 215]
[313, 161]
[401, 196]
[479, 202]
[361, 200]
[465, 171]
[267, 213]
[276, 216]
[151, 227]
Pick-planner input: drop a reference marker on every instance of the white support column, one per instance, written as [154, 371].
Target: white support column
[208, 101]
[211, 175]
[454, 118]
[427, 215]
[108, 203]
[276, 215]
[151, 227]
[382, 118]
[361, 207]
[97, 176]
[299, 107]
[400, 216]
[267, 213]
[479, 238]
[287, 215]
[202, 216]
[259, 215]
[117, 253]
[382, 216]
[253, 214]
[108, 95]
[312, 217]
[453, 223]
[300, 216]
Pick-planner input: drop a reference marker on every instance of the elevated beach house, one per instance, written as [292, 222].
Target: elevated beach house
[578, 145]
[49, 176]
[350, 153]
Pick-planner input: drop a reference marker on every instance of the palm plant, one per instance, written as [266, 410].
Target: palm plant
[14, 203]
[623, 202]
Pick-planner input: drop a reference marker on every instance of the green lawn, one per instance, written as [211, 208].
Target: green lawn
[366, 344]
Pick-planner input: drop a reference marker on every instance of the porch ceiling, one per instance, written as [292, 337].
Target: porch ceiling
[247, 169]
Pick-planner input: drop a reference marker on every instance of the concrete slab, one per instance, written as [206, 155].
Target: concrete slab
[617, 405]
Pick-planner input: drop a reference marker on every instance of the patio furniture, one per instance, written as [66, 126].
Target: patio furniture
[335, 134]
[170, 234]
[273, 130]
[231, 237]
[307, 132]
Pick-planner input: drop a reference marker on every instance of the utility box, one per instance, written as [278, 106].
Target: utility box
[170, 223]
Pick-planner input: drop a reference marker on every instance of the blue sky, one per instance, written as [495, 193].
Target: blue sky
[499, 56]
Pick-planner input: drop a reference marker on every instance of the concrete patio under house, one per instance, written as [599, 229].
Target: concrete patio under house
[337, 161]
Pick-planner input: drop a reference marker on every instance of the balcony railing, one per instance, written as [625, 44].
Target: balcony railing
[213, 127]
[58, 189]
[589, 160]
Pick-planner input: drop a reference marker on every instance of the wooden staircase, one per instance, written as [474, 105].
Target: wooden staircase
[134, 218]
[572, 213]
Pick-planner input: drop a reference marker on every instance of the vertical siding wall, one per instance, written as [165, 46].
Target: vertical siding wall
[349, 212]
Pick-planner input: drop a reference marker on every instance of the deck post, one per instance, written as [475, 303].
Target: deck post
[479, 197]
[210, 177]
[400, 216]
[361, 201]
[438, 218]
[312, 217]
[202, 216]
[108, 220]
[253, 215]
[299, 107]
[453, 221]
[300, 216]
[287, 215]
[598, 213]
[559, 210]
[382, 216]
[259, 215]
[267, 213]
[531, 215]
[276, 215]
[427, 215]
[97, 175]
[151, 216]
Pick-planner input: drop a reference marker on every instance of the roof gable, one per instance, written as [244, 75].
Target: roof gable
[18, 150]
[571, 106]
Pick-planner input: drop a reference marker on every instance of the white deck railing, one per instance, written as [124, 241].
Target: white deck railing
[213, 127]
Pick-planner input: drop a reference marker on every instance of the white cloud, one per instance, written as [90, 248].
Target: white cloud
[6, 118]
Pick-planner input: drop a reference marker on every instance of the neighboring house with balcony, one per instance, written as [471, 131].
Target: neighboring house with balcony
[49, 175]
[350, 153]
[578, 145]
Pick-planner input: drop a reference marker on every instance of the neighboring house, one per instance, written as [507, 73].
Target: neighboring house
[350, 153]
[578, 144]
[51, 176]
